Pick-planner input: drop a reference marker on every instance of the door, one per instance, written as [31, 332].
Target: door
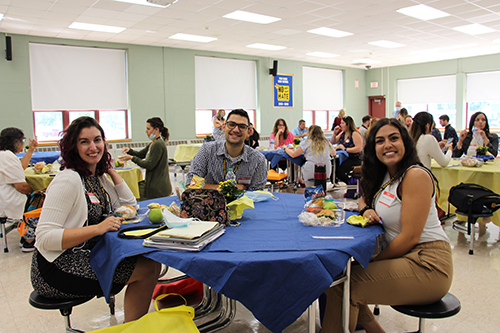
[377, 106]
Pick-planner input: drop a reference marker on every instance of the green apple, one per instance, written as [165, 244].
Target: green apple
[155, 216]
[329, 205]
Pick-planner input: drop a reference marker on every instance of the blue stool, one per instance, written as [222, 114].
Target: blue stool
[446, 307]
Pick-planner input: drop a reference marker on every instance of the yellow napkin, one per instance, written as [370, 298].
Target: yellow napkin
[237, 207]
[358, 220]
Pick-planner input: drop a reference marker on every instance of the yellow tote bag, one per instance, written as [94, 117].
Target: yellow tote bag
[177, 319]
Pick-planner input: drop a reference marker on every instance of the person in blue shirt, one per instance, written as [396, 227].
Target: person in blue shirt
[301, 130]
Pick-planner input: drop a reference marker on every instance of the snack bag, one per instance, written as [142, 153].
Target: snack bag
[196, 182]
[314, 199]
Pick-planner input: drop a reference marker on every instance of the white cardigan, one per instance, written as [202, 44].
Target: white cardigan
[427, 147]
[65, 207]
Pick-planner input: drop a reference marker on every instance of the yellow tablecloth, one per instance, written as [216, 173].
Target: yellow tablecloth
[132, 176]
[488, 176]
[185, 153]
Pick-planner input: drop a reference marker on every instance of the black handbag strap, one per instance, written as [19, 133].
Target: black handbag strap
[121, 233]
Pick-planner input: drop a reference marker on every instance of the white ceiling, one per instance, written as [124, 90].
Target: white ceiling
[368, 20]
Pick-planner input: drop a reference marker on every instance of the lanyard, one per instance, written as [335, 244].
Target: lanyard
[95, 192]
[225, 170]
[383, 187]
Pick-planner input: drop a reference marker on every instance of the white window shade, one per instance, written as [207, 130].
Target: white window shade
[77, 78]
[482, 87]
[225, 83]
[437, 89]
[322, 88]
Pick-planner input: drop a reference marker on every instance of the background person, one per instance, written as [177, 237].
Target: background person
[300, 131]
[282, 137]
[316, 149]
[408, 122]
[435, 132]
[352, 142]
[478, 135]
[153, 158]
[403, 113]
[397, 109]
[336, 121]
[13, 185]
[76, 210]
[217, 122]
[426, 144]
[253, 137]
[364, 126]
[416, 267]
[449, 131]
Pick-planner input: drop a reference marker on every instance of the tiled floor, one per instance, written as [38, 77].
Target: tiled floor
[475, 284]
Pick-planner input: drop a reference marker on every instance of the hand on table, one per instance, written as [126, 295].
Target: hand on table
[372, 216]
[111, 223]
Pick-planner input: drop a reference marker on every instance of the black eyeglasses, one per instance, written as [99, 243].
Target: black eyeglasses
[231, 125]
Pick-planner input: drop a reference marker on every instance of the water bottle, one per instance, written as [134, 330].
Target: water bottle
[230, 175]
[271, 144]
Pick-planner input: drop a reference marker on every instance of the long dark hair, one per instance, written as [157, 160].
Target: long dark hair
[11, 138]
[373, 171]
[156, 122]
[350, 124]
[420, 122]
[275, 128]
[69, 153]
[473, 119]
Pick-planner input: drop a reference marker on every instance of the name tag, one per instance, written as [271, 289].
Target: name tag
[93, 198]
[387, 198]
[244, 181]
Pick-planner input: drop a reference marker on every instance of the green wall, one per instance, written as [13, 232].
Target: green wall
[388, 76]
[161, 83]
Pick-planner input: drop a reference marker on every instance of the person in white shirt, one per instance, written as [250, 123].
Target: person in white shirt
[13, 185]
[426, 144]
[78, 208]
[364, 126]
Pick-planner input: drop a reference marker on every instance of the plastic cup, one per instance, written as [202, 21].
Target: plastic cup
[339, 215]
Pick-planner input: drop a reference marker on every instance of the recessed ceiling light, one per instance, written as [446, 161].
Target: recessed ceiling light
[193, 38]
[1, 16]
[144, 2]
[387, 44]
[322, 54]
[474, 29]
[329, 32]
[423, 12]
[365, 61]
[96, 27]
[266, 47]
[251, 17]
[496, 41]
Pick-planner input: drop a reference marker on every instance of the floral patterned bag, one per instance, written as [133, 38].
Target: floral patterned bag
[204, 204]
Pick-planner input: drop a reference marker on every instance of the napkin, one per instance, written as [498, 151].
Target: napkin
[237, 207]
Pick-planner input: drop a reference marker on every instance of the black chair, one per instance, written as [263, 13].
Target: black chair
[65, 306]
[469, 229]
[4, 230]
[448, 306]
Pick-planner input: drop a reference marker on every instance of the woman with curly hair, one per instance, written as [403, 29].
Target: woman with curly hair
[316, 149]
[78, 208]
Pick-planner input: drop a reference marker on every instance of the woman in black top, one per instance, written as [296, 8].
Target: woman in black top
[479, 125]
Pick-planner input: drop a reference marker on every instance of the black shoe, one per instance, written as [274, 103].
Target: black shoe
[28, 247]
[22, 241]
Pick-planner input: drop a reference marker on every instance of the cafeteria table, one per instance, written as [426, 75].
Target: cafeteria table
[132, 176]
[270, 263]
[42, 156]
[183, 155]
[487, 175]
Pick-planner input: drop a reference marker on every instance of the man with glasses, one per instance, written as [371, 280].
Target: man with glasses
[215, 158]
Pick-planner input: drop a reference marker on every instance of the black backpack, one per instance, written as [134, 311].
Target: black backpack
[473, 198]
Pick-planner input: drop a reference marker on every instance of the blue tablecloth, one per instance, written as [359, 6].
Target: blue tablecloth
[42, 156]
[274, 156]
[271, 263]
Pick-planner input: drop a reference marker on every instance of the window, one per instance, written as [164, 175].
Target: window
[322, 118]
[71, 81]
[222, 83]
[322, 91]
[436, 95]
[204, 119]
[483, 94]
[48, 124]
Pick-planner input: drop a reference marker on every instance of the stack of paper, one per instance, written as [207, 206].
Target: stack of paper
[193, 237]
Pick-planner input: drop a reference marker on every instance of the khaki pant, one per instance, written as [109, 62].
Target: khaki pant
[422, 276]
